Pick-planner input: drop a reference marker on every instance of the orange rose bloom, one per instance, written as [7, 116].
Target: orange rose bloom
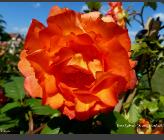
[78, 64]
[117, 13]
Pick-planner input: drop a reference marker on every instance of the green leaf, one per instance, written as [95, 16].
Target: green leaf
[152, 5]
[161, 104]
[3, 118]
[94, 6]
[116, 123]
[159, 115]
[9, 106]
[9, 124]
[151, 106]
[124, 127]
[158, 80]
[48, 130]
[39, 109]
[136, 47]
[134, 114]
[15, 89]
[139, 49]
[6, 122]
[161, 98]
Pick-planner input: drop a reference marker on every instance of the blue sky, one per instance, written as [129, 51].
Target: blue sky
[18, 15]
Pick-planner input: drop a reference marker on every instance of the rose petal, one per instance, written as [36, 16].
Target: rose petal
[83, 107]
[24, 65]
[71, 22]
[108, 96]
[32, 86]
[108, 18]
[50, 84]
[83, 44]
[78, 60]
[55, 10]
[133, 80]
[106, 79]
[56, 101]
[41, 58]
[95, 66]
[92, 16]
[74, 77]
[69, 112]
[32, 41]
[116, 58]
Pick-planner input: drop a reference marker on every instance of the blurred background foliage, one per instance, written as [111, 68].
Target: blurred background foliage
[140, 111]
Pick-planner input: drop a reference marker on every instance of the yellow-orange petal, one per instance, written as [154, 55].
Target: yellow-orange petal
[92, 16]
[108, 18]
[69, 112]
[78, 60]
[84, 102]
[95, 66]
[50, 84]
[55, 101]
[108, 96]
[32, 86]
[55, 10]
[24, 65]
[83, 107]
[98, 107]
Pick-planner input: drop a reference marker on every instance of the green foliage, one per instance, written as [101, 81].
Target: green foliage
[93, 6]
[48, 130]
[10, 106]
[9, 62]
[159, 115]
[116, 123]
[5, 37]
[152, 5]
[15, 88]
[6, 122]
[2, 26]
[39, 109]
[134, 113]
[12, 116]
[158, 80]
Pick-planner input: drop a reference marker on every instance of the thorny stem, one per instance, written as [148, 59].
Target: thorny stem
[39, 129]
[118, 107]
[129, 99]
[137, 20]
[131, 96]
[141, 15]
[149, 77]
[141, 21]
[31, 123]
[133, 13]
[162, 27]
